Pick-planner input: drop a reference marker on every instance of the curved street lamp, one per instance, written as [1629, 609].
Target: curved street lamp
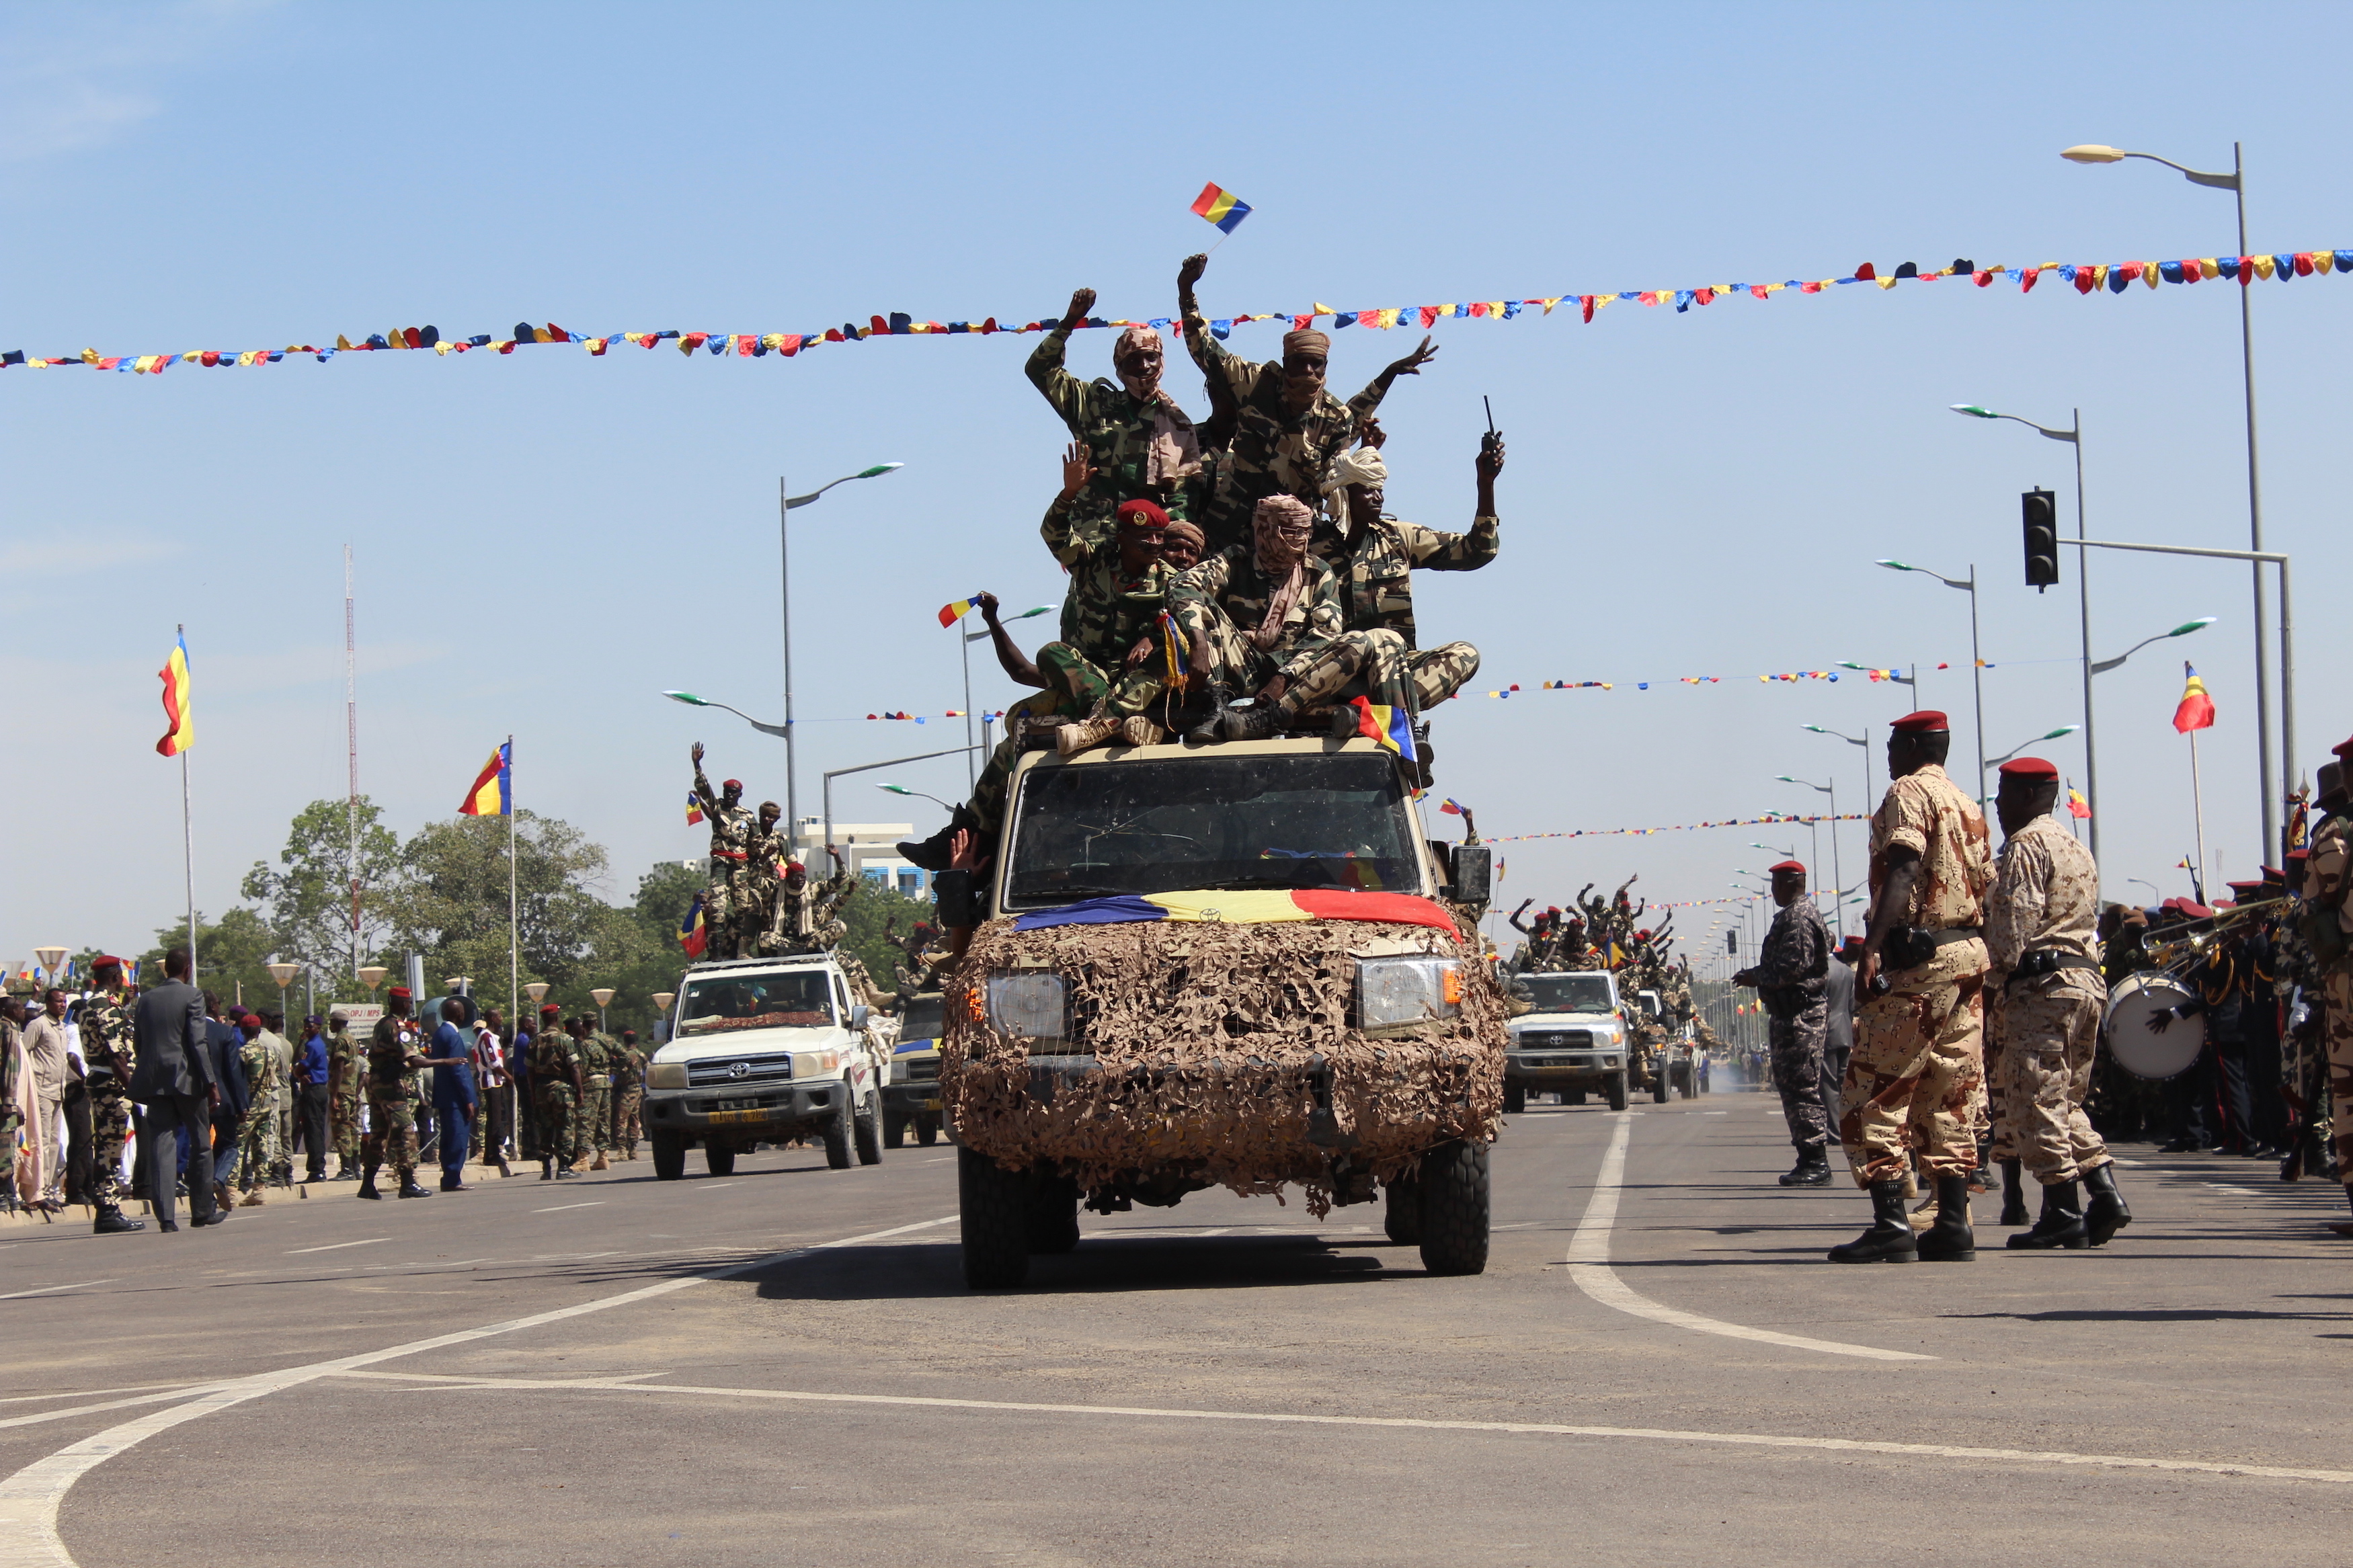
[1976, 661]
[692, 701]
[785, 504]
[2200, 625]
[2064, 729]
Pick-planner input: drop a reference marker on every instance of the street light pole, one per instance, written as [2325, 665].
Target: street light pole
[2235, 182]
[1976, 661]
[786, 502]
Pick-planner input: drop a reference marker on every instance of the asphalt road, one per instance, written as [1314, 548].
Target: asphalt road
[1657, 1367]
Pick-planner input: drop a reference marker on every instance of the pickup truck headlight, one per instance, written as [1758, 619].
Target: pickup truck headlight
[1033, 1004]
[1392, 991]
[667, 1075]
[816, 1064]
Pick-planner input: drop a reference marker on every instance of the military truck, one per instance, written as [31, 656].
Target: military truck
[1571, 1041]
[911, 1097]
[1239, 966]
[766, 1050]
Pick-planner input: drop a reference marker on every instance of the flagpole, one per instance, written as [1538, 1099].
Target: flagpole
[2197, 803]
[188, 838]
[514, 962]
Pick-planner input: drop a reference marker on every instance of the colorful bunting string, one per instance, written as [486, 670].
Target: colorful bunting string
[2115, 278]
[1769, 819]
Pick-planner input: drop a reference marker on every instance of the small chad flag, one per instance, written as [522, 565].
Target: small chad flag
[493, 791]
[1451, 807]
[2078, 807]
[1221, 207]
[182, 731]
[2197, 710]
[694, 808]
[951, 614]
[690, 934]
[1392, 727]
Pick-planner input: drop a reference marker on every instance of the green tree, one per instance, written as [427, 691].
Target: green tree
[451, 904]
[309, 902]
[641, 955]
[233, 956]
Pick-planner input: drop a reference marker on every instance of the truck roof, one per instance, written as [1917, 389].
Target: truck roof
[782, 961]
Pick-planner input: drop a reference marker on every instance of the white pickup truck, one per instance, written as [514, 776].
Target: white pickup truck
[1570, 1039]
[763, 1051]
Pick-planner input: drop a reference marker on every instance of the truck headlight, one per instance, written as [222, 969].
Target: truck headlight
[1392, 991]
[816, 1064]
[667, 1075]
[1028, 1003]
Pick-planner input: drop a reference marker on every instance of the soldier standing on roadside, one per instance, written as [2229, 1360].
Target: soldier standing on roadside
[555, 1088]
[395, 1052]
[728, 895]
[1792, 978]
[257, 1135]
[346, 1069]
[2328, 928]
[2045, 997]
[108, 1055]
[628, 1094]
[1917, 1075]
[597, 1051]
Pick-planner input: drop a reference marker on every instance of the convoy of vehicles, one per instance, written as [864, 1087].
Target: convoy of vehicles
[1572, 1041]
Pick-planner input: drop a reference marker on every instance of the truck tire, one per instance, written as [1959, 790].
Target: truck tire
[720, 1158]
[1454, 1209]
[839, 1131]
[1401, 1212]
[1617, 1091]
[1660, 1089]
[1054, 1215]
[993, 1214]
[669, 1155]
[927, 1129]
[1515, 1099]
[894, 1130]
[866, 1131]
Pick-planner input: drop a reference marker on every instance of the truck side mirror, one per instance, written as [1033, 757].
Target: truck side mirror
[1473, 873]
[858, 1015]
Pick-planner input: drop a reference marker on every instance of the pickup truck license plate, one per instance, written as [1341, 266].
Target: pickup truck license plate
[737, 1116]
[935, 1104]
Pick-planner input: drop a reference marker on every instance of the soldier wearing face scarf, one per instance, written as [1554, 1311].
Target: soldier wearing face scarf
[1139, 445]
[1287, 428]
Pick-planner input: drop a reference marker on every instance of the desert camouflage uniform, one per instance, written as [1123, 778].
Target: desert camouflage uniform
[762, 881]
[257, 1135]
[1791, 966]
[108, 1043]
[392, 1097]
[1219, 602]
[1273, 452]
[862, 989]
[628, 1068]
[553, 1058]
[2326, 875]
[1117, 431]
[1916, 1078]
[801, 916]
[2042, 1033]
[1376, 590]
[344, 1071]
[730, 892]
[592, 1129]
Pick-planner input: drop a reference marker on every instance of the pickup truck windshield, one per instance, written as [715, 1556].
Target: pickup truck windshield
[1564, 993]
[1272, 820]
[720, 1002]
[921, 1019]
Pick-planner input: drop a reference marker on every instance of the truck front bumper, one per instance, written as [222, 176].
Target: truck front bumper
[751, 1114]
[1557, 1069]
[913, 1099]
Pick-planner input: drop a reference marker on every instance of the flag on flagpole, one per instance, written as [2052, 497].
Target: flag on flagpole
[690, 934]
[181, 733]
[2197, 710]
[1221, 207]
[1391, 726]
[694, 808]
[1452, 806]
[2078, 807]
[953, 613]
[493, 791]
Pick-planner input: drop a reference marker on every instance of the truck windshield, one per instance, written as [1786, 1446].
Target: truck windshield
[719, 1003]
[1272, 820]
[1564, 993]
[921, 1020]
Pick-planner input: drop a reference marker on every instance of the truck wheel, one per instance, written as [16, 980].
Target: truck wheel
[1617, 1091]
[866, 1132]
[839, 1129]
[1454, 1209]
[1515, 1099]
[1401, 1215]
[894, 1130]
[720, 1158]
[669, 1156]
[927, 1129]
[1659, 1090]
[1054, 1215]
[992, 1210]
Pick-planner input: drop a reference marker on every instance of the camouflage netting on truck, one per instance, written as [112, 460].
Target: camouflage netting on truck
[1222, 1053]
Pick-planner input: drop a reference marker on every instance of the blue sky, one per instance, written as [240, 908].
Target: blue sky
[545, 541]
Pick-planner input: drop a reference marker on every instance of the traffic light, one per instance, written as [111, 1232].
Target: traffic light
[2041, 514]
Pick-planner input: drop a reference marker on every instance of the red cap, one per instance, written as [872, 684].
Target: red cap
[2196, 911]
[102, 960]
[1793, 867]
[1926, 721]
[731, 783]
[551, 1011]
[2298, 854]
[248, 1022]
[2250, 882]
[1852, 944]
[2274, 874]
[399, 993]
[2031, 770]
[1142, 514]
[2343, 748]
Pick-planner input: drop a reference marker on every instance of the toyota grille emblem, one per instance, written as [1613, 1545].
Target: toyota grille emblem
[739, 1069]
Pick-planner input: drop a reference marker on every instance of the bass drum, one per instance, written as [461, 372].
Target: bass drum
[2141, 1050]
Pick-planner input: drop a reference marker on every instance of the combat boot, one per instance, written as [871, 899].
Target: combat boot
[344, 1172]
[1813, 1170]
[1889, 1239]
[504, 1169]
[252, 1199]
[1255, 722]
[2013, 1196]
[2061, 1223]
[598, 1163]
[547, 1170]
[409, 1189]
[112, 1221]
[564, 1172]
[1077, 736]
[933, 854]
[2105, 1212]
[1135, 730]
[1211, 728]
[1950, 1239]
[367, 1184]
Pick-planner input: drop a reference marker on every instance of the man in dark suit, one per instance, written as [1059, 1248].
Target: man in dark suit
[176, 1080]
[226, 1046]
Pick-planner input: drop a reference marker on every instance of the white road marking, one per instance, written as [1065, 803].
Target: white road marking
[30, 1498]
[559, 1208]
[51, 1289]
[714, 1186]
[1539, 1428]
[337, 1246]
[1588, 1265]
[92, 1393]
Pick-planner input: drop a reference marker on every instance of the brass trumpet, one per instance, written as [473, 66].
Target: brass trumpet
[2185, 951]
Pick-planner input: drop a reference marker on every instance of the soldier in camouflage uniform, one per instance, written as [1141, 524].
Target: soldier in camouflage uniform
[394, 1053]
[803, 907]
[595, 1124]
[730, 893]
[763, 869]
[1915, 1078]
[1141, 445]
[346, 1069]
[109, 1054]
[1375, 557]
[257, 1135]
[1286, 428]
[557, 1088]
[1792, 978]
[1109, 668]
[2045, 997]
[2328, 929]
[628, 1069]
[2304, 1056]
